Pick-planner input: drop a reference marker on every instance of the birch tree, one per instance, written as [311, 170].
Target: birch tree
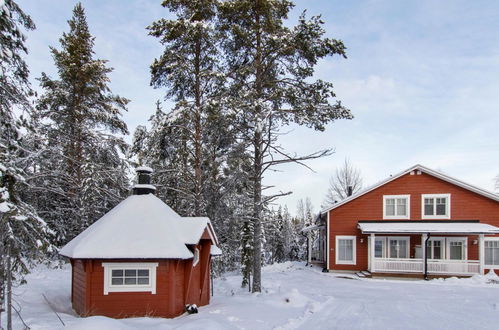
[344, 178]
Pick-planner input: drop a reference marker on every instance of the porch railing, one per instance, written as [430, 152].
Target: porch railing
[398, 265]
[449, 267]
[458, 267]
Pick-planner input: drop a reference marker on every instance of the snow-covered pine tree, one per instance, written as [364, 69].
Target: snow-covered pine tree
[23, 235]
[82, 173]
[189, 69]
[270, 66]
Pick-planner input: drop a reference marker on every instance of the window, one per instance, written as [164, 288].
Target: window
[435, 248]
[129, 277]
[491, 253]
[436, 206]
[396, 206]
[345, 250]
[398, 247]
[456, 248]
[379, 247]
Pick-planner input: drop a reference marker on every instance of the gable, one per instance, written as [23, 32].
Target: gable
[413, 172]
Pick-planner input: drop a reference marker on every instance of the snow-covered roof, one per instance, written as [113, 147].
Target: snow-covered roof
[424, 227]
[144, 169]
[311, 227]
[144, 186]
[141, 226]
[425, 170]
[193, 228]
[215, 250]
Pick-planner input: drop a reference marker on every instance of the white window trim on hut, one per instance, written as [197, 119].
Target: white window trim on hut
[113, 267]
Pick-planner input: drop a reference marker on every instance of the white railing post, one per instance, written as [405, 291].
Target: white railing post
[423, 250]
[372, 254]
[481, 253]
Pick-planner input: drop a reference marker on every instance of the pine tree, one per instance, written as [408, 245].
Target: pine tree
[83, 173]
[23, 234]
[270, 66]
[189, 70]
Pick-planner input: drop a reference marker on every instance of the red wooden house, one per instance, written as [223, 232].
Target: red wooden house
[384, 228]
[141, 259]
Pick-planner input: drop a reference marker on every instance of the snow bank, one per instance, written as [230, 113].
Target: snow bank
[293, 297]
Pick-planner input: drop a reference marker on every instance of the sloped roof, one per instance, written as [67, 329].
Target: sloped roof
[423, 227]
[425, 170]
[141, 226]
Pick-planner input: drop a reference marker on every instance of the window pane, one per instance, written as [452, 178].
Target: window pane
[378, 249]
[437, 250]
[441, 208]
[117, 281]
[489, 255]
[390, 209]
[143, 272]
[456, 250]
[345, 252]
[401, 206]
[402, 248]
[130, 281]
[143, 280]
[117, 272]
[393, 249]
[130, 272]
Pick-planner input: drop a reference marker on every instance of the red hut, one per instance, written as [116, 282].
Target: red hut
[141, 259]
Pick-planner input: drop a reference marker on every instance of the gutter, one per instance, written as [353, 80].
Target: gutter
[426, 257]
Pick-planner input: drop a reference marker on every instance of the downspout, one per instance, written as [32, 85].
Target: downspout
[426, 257]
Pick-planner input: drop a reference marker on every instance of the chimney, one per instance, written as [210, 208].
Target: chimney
[349, 191]
[143, 186]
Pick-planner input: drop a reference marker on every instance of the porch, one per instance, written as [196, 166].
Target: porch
[442, 250]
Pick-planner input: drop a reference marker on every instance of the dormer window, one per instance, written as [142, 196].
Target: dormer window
[435, 206]
[396, 206]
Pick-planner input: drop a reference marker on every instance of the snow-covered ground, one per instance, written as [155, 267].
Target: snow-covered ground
[294, 297]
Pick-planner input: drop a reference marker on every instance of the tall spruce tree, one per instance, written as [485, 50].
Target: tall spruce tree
[23, 235]
[270, 67]
[82, 173]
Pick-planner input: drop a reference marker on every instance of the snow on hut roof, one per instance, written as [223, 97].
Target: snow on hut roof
[144, 169]
[215, 250]
[424, 227]
[193, 228]
[141, 226]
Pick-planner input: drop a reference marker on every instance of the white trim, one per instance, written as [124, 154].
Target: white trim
[109, 266]
[407, 211]
[448, 240]
[435, 196]
[485, 239]
[328, 230]
[425, 170]
[195, 260]
[354, 250]
[481, 252]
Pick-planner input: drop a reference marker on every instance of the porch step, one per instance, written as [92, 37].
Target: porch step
[364, 274]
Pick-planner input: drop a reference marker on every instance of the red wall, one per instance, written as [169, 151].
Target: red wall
[465, 205]
[177, 284]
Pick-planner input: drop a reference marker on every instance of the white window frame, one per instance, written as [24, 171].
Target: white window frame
[109, 287]
[434, 197]
[443, 245]
[407, 239]
[354, 250]
[456, 239]
[485, 240]
[408, 204]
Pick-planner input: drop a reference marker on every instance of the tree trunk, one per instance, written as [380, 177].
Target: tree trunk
[197, 133]
[9, 290]
[258, 143]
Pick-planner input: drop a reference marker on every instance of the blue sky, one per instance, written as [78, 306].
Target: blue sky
[421, 78]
